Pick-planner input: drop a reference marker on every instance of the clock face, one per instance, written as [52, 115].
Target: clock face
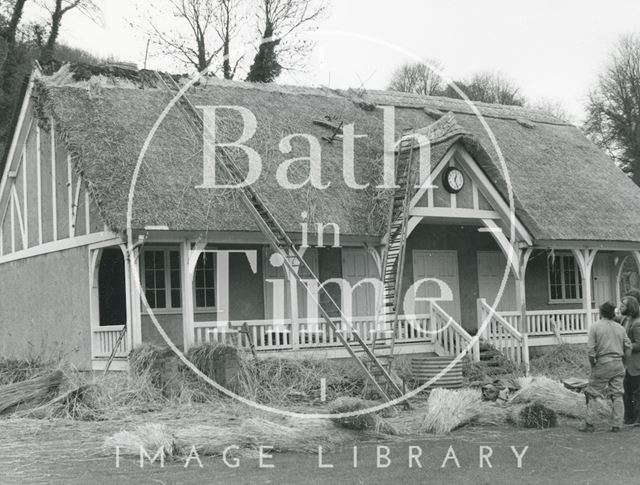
[453, 180]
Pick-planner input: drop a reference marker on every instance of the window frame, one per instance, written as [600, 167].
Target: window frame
[206, 309]
[167, 250]
[559, 257]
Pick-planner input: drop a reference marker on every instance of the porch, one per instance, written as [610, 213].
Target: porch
[442, 328]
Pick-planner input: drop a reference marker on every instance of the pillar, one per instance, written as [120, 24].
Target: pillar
[584, 258]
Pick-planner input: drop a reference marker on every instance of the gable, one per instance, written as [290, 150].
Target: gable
[477, 202]
[43, 198]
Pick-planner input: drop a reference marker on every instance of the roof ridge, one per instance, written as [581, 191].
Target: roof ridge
[63, 77]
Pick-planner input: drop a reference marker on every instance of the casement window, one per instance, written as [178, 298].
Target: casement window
[160, 271]
[565, 282]
[204, 283]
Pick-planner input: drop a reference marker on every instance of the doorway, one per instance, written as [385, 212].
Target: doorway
[112, 296]
[443, 266]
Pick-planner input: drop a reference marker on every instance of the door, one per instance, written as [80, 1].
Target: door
[440, 265]
[602, 276]
[112, 297]
[491, 266]
[357, 264]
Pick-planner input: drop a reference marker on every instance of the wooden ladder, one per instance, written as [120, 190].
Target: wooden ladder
[282, 244]
[394, 254]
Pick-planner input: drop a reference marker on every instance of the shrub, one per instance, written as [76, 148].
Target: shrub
[539, 416]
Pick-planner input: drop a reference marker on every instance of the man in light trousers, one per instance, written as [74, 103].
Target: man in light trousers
[607, 345]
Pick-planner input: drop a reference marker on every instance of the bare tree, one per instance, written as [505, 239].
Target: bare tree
[195, 47]
[418, 78]
[228, 17]
[59, 9]
[279, 19]
[16, 10]
[554, 108]
[489, 87]
[613, 109]
[200, 32]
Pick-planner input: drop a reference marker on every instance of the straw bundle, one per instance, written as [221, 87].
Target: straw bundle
[148, 437]
[366, 421]
[303, 435]
[449, 409]
[30, 392]
[555, 396]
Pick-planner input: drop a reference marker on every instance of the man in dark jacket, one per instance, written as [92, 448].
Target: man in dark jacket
[630, 311]
[607, 345]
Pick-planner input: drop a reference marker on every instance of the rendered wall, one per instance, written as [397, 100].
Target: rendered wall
[44, 307]
[466, 240]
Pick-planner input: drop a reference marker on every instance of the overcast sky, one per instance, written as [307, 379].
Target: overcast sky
[552, 49]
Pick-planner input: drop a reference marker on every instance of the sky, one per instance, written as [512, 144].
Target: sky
[553, 50]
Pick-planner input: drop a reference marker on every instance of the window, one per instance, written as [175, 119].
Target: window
[565, 282]
[161, 278]
[205, 277]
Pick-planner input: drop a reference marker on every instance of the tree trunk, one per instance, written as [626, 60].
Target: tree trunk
[226, 64]
[12, 29]
[56, 19]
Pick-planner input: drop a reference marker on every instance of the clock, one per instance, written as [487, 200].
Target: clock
[453, 180]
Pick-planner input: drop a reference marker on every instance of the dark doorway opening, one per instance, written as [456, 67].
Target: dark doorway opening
[111, 288]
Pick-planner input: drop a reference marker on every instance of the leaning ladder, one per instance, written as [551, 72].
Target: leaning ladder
[282, 244]
[394, 254]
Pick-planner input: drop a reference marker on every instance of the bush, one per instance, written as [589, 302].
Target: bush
[538, 416]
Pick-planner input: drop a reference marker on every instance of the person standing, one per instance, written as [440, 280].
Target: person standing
[607, 345]
[630, 311]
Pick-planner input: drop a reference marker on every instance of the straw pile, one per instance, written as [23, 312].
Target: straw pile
[279, 381]
[149, 437]
[304, 435]
[450, 409]
[538, 416]
[30, 392]
[552, 394]
[366, 421]
[555, 396]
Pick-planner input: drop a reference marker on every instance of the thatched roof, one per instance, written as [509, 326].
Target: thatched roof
[564, 186]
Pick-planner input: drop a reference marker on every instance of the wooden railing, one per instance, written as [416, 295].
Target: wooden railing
[542, 322]
[305, 333]
[450, 337]
[502, 335]
[105, 339]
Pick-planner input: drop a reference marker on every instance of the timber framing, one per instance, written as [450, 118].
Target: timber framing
[40, 209]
